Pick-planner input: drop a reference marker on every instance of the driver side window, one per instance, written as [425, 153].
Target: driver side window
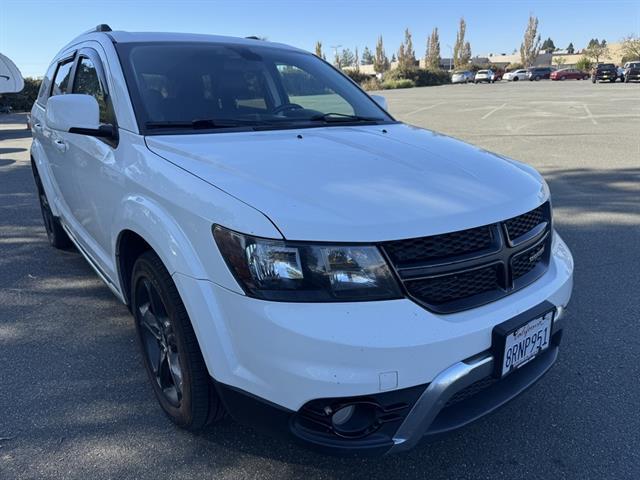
[310, 92]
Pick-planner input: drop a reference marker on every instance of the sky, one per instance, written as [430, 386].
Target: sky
[32, 31]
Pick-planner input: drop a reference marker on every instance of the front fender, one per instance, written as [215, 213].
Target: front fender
[148, 219]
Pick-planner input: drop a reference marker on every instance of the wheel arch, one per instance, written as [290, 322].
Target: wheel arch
[143, 225]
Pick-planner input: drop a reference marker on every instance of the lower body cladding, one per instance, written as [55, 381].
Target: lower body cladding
[370, 377]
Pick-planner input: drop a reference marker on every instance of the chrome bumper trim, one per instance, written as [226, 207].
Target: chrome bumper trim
[455, 378]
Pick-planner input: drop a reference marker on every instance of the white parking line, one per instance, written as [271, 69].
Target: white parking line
[589, 114]
[488, 114]
[425, 108]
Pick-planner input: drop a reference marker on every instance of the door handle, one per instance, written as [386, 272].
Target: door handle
[61, 145]
[37, 126]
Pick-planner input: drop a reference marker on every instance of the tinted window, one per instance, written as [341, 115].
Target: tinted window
[45, 86]
[237, 85]
[62, 78]
[88, 83]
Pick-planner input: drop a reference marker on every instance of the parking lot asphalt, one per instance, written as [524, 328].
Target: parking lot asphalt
[75, 401]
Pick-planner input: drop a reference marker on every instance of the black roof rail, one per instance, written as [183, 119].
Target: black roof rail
[103, 27]
[253, 37]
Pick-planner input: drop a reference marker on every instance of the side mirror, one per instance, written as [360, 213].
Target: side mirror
[76, 113]
[380, 100]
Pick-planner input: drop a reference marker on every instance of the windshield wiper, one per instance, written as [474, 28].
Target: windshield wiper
[344, 117]
[206, 123]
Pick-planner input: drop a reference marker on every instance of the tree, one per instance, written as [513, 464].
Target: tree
[548, 45]
[357, 61]
[559, 61]
[631, 48]
[593, 42]
[584, 64]
[347, 58]
[460, 49]
[432, 58]
[393, 58]
[380, 62]
[530, 47]
[319, 50]
[571, 49]
[597, 51]
[401, 55]
[409, 52]
[367, 57]
[466, 54]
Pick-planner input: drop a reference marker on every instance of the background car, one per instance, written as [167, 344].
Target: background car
[569, 74]
[631, 72]
[514, 76]
[463, 76]
[484, 76]
[539, 73]
[605, 72]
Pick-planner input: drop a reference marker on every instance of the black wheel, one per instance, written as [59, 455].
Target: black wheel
[537, 78]
[58, 238]
[515, 79]
[626, 79]
[169, 347]
[593, 80]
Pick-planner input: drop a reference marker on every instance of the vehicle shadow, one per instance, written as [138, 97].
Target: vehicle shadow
[75, 401]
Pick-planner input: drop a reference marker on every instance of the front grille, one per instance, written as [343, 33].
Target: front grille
[460, 270]
[440, 290]
[518, 226]
[527, 261]
[438, 247]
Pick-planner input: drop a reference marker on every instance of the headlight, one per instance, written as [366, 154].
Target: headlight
[302, 272]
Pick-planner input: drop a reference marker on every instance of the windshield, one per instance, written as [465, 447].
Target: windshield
[191, 86]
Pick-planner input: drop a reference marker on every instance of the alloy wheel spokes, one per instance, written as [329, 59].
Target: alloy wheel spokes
[159, 342]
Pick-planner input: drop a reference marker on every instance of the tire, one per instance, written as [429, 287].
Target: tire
[626, 79]
[515, 79]
[563, 78]
[537, 78]
[58, 238]
[170, 350]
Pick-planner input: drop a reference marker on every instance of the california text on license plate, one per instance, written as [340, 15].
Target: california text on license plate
[527, 341]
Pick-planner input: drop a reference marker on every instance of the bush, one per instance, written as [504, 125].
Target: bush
[513, 66]
[420, 77]
[357, 76]
[372, 84]
[400, 83]
[22, 101]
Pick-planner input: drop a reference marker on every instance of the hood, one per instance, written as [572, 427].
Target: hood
[358, 184]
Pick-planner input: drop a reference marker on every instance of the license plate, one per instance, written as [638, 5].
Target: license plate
[522, 344]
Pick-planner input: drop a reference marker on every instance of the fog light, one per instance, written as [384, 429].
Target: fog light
[356, 420]
[342, 416]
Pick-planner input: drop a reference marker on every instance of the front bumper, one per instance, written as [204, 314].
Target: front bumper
[459, 395]
[289, 355]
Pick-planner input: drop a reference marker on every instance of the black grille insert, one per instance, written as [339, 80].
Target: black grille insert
[438, 247]
[460, 270]
[455, 286]
[518, 226]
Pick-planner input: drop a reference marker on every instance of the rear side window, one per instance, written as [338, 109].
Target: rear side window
[87, 82]
[45, 86]
[62, 78]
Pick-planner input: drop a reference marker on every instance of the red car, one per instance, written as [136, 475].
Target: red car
[569, 74]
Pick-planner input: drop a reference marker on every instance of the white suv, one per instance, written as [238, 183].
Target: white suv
[293, 255]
